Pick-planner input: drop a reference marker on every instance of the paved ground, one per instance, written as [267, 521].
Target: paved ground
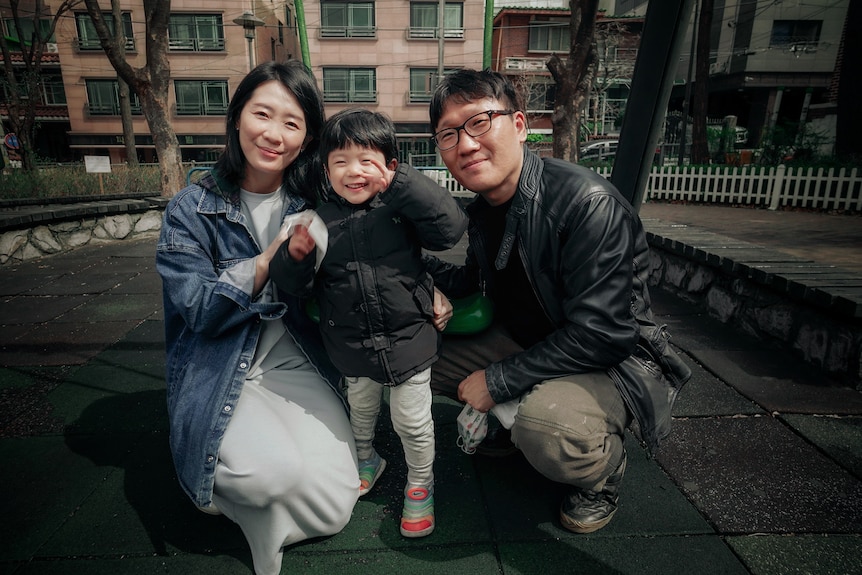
[762, 475]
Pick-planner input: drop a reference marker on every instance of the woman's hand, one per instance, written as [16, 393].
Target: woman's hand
[442, 310]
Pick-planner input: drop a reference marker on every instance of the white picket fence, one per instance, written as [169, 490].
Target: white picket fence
[766, 186]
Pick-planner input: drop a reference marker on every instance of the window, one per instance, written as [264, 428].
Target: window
[103, 98]
[201, 97]
[422, 83]
[53, 93]
[549, 34]
[88, 39]
[27, 29]
[540, 96]
[423, 20]
[347, 19]
[196, 32]
[349, 85]
[795, 35]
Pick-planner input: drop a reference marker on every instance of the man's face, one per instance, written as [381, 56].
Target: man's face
[489, 164]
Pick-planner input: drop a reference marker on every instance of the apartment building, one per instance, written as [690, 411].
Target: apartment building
[525, 38]
[772, 62]
[210, 52]
[387, 54]
[383, 54]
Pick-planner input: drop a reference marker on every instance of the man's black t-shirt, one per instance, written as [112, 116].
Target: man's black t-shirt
[515, 302]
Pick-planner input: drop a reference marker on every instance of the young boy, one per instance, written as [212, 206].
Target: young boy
[376, 299]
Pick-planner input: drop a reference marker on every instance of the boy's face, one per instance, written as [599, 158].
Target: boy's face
[489, 164]
[357, 174]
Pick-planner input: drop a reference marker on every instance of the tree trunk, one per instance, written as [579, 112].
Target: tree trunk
[151, 83]
[699, 143]
[574, 79]
[123, 90]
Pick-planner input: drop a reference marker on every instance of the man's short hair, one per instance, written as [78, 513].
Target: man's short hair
[466, 85]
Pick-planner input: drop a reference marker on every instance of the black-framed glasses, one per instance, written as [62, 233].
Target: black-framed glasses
[475, 125]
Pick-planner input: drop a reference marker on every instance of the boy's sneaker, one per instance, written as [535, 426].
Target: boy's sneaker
[369, 471]
[417, 516]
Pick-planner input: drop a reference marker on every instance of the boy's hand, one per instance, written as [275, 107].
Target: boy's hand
[301, 243]
[386, 174]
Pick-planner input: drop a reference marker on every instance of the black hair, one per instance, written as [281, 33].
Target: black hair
[301, 177]
[361, 127]
[466, 85]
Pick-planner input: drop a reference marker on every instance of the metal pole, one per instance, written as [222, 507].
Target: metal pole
[685, 104]
[250, 54]
[658, 55]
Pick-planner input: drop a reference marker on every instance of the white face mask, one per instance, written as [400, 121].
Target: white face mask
[472, 428]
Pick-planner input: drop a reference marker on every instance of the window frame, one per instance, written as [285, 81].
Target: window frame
[194, 41]
[111, 108]
[348, 27]
[423, 20]
[546, 32]
[204, 88]
[88, 38]
[349, 79]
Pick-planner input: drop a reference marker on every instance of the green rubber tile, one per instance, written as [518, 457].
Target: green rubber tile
[139, 508]
[49, 482]
[839, 437]
[706, 395]
[38, 309]
[754, 475]
[216, 564]
[701, 555]
[523, 505]
[115, 307]
[63, 344]
[417, 559]
[800, 554]
[109, 399]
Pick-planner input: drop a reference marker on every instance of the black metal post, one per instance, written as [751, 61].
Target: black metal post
[658, 55]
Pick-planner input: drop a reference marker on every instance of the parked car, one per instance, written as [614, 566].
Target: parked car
[599, 150]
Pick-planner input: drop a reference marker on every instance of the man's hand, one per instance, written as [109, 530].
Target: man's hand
[442, 310]
[473, 389]
[301, 243]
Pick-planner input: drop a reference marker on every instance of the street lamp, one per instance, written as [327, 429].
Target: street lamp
[249, 22]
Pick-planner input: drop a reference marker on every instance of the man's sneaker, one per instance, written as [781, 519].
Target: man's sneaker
[417, 516]
[369, 471]
[498, 443]
[585, 511]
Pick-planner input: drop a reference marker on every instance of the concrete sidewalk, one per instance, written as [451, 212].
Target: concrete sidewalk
[762, 474]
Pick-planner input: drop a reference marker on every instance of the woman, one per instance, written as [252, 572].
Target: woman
[259, 430]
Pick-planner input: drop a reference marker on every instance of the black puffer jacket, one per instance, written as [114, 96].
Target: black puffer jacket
[586, 254]
[374, 292]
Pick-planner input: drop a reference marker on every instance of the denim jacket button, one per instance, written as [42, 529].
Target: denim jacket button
[210, 458]
[243, 365]
[227, 409]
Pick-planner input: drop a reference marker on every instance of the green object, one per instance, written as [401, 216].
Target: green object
[470, 314]
[312, 308]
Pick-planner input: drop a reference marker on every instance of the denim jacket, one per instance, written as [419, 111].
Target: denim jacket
[206, 259]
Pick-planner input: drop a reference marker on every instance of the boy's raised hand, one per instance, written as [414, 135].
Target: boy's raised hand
[387, 172]
[301, 243]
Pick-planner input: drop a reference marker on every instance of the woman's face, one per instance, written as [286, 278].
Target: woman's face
[272, 132]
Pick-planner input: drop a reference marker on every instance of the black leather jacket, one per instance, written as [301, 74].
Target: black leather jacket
[587, 258]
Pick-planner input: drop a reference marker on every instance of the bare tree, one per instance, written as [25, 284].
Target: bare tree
[574, 78]
[23, 87]
[123, 92]
[150, 82]
[699, 142]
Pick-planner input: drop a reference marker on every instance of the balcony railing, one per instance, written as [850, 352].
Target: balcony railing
[348, 32]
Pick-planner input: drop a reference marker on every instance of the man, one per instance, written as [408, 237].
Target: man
[564, 259]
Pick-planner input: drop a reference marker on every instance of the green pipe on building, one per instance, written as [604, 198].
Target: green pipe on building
[489, 33]
[303, 33]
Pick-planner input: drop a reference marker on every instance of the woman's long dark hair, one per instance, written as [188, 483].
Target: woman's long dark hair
[301, 177]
